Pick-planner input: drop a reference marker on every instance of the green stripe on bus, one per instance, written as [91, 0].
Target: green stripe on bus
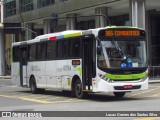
[72, 35]
[79, 69]
[126, 77]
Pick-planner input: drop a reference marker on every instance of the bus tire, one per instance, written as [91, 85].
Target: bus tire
[33, 86]
[40, 90]
[79, 90]
[119, 94]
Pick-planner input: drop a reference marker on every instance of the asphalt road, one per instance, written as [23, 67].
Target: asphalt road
[14, 98]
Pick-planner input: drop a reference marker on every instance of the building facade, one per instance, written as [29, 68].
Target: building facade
[36, 16]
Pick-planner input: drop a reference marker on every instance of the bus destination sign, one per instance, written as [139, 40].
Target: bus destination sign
[122, 33]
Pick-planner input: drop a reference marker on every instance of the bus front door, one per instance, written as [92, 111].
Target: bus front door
[87, 54]
[23, 65]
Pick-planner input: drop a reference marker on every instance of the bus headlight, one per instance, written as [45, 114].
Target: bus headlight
[103, 77]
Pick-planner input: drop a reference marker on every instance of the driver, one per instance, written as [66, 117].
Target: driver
[130, 51]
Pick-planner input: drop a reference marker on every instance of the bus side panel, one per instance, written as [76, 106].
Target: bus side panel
[51, 74]
[15, 71]
[74, 68]
[62, 74]
[24, 74]
[37, 69]
[59, 74]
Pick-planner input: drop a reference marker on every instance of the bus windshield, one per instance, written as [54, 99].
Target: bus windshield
[122, 53]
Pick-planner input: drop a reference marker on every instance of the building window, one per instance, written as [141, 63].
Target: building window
[154, 44]
[10, 8]
[44, 3]
[26, 5]
[119, 20]
[84, 25]
[63, 0]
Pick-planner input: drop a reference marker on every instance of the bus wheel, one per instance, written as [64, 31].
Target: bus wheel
[78, 90]
[33, 86]
[119, 94]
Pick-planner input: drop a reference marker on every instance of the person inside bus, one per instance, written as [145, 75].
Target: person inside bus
[130, 50]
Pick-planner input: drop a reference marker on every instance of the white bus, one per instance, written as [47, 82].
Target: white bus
[110, 59]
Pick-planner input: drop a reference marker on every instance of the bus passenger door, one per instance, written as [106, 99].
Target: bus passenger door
[23, 65]
[88, 61]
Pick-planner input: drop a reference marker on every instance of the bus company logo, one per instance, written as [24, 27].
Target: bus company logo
[35, 68]
[6, 114]
[67, 68]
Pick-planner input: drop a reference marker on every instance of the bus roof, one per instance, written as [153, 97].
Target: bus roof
[67, 34]
[51, 36]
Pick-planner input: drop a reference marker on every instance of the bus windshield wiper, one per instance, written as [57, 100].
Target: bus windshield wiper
[115, 44]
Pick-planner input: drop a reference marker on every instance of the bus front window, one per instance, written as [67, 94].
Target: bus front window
[122, 54]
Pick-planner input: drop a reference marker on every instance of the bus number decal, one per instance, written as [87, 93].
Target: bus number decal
[35, 68]
[75, 62]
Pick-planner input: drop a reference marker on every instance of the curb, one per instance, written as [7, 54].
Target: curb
[5, 77]
[154, 81]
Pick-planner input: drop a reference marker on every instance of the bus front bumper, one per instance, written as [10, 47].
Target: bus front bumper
[125, 86]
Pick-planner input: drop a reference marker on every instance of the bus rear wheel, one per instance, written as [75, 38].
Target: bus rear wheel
[119, 94]
[79, 90]
[33, 86]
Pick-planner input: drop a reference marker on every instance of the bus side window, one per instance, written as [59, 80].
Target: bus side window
[32, 52]
[62, 46]
[75, 48]
[51, 50]
[24, 56]
[65, 49]
[41, 47]
[60, 49]
[16, 54]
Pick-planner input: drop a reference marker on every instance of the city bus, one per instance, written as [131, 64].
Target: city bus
[103, 60]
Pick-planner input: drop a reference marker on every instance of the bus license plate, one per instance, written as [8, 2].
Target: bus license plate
[128, 86]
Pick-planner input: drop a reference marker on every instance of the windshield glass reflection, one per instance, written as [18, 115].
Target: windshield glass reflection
[122, 54]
